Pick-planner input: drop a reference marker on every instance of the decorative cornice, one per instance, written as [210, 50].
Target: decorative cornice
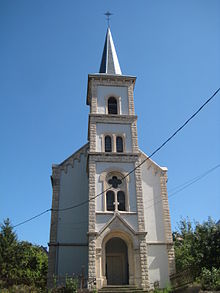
[159, 243]
[92, 233]
[112, 213]
[107, 118]
[113, 157]
[111, 77]
[157, 168]
[70, 160]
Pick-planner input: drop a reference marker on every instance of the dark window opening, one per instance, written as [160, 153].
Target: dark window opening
[112, 106]
[121, 200]
[110, 200]
[119, 144]
[108, 144]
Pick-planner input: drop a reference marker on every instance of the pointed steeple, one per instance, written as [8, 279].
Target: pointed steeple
[109, 63]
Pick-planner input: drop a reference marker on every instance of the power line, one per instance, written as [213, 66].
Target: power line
[187, 185]
[178, 189]
[192, 181]
[32, 218]
[152, 154]
[174, 134]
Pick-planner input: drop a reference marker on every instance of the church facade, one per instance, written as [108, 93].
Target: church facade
[110, 214]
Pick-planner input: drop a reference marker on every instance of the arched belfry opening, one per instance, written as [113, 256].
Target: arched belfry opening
[112, 106]
[117, 272]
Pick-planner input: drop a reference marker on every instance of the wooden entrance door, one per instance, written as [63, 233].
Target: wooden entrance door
[115, 269]
[116, 262]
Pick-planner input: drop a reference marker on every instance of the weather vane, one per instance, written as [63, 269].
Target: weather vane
[108, 14]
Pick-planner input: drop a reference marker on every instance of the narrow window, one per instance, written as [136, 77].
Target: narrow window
[121, 200]
[110, 200]
[108, 143]
[112, 106]
[119, 144]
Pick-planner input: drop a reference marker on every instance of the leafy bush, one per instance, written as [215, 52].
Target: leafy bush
[210, 279]
[71, 285]
[22, 289]
[197, 245]
[21, 263]
[164, 290]
[197, 248]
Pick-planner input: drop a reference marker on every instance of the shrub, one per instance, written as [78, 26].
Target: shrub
[210, 279]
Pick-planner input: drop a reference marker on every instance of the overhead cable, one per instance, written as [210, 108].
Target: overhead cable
[151, 155]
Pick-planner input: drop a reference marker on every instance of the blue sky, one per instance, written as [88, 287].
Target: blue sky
[47, 50]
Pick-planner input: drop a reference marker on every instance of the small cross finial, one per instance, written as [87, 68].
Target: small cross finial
[108, 14]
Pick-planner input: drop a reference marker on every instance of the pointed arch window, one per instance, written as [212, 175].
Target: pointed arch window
[116, 198]
[108, 143]
[110, 200]
[119, 144]
[112, 106]
[121, 200]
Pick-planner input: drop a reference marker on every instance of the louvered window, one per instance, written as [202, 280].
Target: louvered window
[121, 200]
[110, 200]
[119, 144]
[108, 143]
[112, 106]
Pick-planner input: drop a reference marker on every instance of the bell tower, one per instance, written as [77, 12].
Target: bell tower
[110, 214]
[113, 153]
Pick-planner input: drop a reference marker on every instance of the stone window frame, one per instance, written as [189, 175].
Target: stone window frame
[118, 99]
[123, 143]
[112, 142]
[113, 137]
[103, 142]
[104, 178]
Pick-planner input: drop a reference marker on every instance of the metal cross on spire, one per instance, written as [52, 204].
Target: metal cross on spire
[108, 14]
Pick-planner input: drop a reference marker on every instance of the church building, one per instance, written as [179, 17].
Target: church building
[110, 214]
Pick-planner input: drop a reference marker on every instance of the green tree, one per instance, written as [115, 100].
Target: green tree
[8, 254]
[197, 245]
[183, 239]
[206, 246]
[21, 262]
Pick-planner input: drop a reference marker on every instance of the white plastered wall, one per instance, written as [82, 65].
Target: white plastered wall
[103, 92]
[153, 208]
[158, 265]
[72, 260]
[154, 225]
[73, 224]
[118, 129]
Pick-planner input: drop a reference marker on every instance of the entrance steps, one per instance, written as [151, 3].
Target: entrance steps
[121, 289]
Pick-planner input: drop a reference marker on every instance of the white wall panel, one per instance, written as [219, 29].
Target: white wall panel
[158, 265]
[73, 223]
[72, 259]
[103, 92]
[120, 129]
[153, 209]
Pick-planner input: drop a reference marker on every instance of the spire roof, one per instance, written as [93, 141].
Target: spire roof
[109, 63]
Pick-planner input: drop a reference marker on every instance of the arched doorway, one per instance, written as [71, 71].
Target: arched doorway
[116, 262]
